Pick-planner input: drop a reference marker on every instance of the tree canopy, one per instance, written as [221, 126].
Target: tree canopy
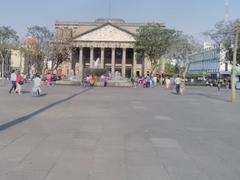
[223, 35]
[8, 40]
[180, 49]
[39, 54]
[152, 41]
[61, 47]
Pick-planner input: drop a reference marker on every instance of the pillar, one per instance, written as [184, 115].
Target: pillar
[134, 63]
[113, 62]
[91, 57]
[81, 62]
[102, 57]
[124, 62]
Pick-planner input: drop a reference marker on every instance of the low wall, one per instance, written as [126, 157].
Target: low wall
[98, 84]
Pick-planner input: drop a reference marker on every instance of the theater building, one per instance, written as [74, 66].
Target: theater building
[105, 43]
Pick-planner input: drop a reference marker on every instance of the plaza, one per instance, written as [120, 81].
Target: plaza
[77, 133]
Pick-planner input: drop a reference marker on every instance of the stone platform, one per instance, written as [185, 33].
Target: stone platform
[98, 83]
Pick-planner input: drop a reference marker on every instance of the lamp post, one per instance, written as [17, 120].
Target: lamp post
[233, 75]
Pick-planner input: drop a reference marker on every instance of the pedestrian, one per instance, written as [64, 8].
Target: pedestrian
[19, 82]
[49, 79]
[105, 81]
[218, 85]
[13, 79]
[168, 83]
[36, 85]
[178, 81]
[154, 80]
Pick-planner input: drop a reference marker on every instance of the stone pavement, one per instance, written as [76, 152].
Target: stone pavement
[72, 133]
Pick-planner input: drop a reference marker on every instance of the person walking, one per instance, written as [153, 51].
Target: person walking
[49, 79]
[13, 79]
[178, 81]
[219, 85]
[19, 82]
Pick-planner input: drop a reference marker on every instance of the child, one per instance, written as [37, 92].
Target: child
[37, 85]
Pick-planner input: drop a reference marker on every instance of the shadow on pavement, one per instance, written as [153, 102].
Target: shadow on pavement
[41, 95]
[24, 118]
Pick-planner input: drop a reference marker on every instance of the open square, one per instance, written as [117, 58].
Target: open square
[102, 133]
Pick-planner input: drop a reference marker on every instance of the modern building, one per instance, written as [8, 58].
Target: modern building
[210, 61]
[105, 43]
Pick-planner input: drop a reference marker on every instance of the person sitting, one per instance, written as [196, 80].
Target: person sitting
[92, 80]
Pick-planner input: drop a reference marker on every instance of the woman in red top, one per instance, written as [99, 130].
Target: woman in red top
[19, 80]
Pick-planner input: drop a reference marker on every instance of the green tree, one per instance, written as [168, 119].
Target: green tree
[152, 42]
[8, 41]
[170, 69]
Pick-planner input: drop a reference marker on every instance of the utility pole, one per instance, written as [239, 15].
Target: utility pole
[233, 76]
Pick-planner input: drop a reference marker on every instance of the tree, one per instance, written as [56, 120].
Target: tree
[8, 41]
[223, 37]
[170, 69]
[61, 47]
[181, 47]
[43, 47]
[152, 42]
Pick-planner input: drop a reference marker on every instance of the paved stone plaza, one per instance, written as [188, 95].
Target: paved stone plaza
[72, 133]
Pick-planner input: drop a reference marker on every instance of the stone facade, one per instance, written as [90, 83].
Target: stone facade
[105, 44]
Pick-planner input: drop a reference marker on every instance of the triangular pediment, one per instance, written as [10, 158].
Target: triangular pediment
[106, 33]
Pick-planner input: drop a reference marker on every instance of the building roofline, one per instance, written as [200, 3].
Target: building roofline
[77, 23]
[102, 25]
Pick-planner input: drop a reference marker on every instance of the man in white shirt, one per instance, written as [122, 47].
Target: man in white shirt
[178, 81]
[13, 79]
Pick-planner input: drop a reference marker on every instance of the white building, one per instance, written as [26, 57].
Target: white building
[17, 60]
[211, 61]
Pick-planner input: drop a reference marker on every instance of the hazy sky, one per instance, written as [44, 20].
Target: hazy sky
[191, 16]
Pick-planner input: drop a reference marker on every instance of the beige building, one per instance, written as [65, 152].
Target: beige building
[17, 60]
[105, 43]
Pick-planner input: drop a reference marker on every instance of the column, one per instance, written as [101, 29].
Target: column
[124, 62]
[134, 63]
[113, 62]
[91, 57]
[80, 62]
[102, 57]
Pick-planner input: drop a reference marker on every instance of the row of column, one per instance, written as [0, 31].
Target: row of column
[112, 60]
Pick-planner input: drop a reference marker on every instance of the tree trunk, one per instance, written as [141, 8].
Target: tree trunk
[186, 69]
[3, 61]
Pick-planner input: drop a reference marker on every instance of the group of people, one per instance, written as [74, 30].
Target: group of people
[17, 81]
[89, 81]
[151, 80]
[148, 81]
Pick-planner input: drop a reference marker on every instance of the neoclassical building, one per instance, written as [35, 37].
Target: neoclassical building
[105, 43]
